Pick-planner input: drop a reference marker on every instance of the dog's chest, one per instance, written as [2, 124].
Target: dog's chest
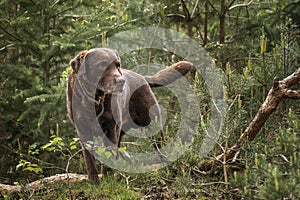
[114, 107]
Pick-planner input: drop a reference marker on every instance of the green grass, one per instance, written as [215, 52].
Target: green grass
[110, 188]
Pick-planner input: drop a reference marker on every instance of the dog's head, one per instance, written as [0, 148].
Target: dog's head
[101, 67]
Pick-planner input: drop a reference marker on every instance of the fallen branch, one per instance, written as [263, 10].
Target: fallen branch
[279, 91]
[42, 183]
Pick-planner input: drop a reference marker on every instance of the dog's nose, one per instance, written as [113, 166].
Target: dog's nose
[120, 81]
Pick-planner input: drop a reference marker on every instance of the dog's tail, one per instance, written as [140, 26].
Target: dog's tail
[170, 74]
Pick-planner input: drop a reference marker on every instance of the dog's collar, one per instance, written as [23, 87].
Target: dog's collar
[91, 97]
[99, 102]
[100, 97]
[85, 91]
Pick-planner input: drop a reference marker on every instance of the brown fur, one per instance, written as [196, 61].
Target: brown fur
[75, 64]
[134, 102]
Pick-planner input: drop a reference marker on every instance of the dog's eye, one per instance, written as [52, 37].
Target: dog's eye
[118, 65]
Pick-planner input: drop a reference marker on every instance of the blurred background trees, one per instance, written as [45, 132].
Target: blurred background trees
[251, 42]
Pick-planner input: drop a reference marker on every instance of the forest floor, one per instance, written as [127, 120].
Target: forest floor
[115, 186]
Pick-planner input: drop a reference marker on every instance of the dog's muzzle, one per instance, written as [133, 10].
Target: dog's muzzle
[117, 87]
[120, 82]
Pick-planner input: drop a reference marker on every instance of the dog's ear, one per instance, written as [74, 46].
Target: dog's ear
[92, 69]
[76, 62]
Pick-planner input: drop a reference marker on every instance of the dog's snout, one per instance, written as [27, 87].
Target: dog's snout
[120, 81]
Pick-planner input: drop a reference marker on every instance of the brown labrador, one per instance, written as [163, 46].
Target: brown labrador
[117, 98]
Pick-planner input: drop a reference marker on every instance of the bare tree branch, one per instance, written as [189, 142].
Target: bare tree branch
[194, 10]
[176, 15]
[185, 10]
[10, 34]
[277, 92]
[213, 7]
[231, 3]
[240, 5]
[294, 94]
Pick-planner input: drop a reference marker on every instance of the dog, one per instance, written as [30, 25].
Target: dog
[119, 99]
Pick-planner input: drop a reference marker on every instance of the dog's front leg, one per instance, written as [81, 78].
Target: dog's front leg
[117, 111]
[90, 165]
[112, 135]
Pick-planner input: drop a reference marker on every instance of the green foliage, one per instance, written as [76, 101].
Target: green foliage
[28, 166]
[38, 38]
[274, 171]
[67, 149]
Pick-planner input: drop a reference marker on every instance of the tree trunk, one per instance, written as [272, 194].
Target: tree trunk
[205, 39]
[222, 22]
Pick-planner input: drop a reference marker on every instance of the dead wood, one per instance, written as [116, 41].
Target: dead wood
[279, 91]
[45, 182]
